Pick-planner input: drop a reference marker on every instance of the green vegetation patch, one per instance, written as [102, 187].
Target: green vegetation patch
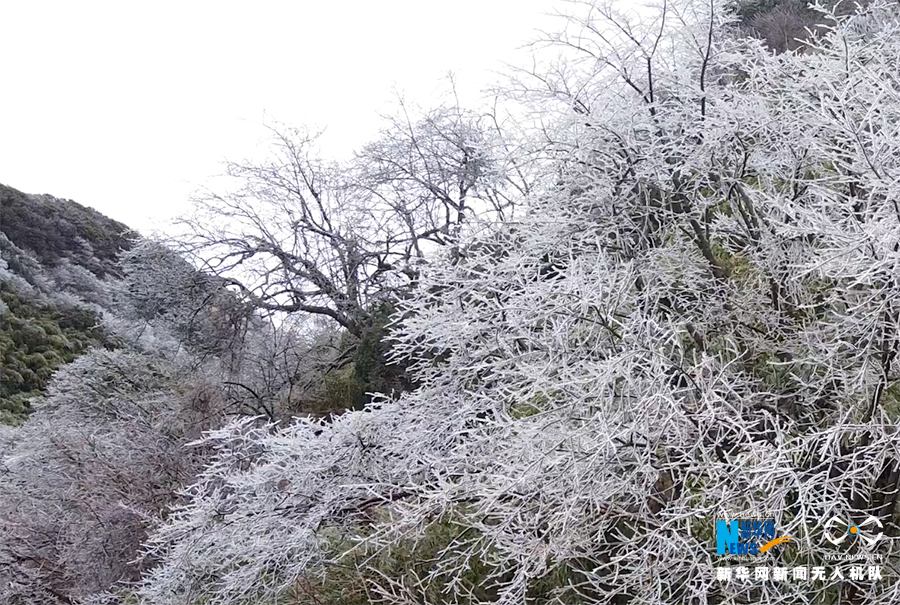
[35, 340]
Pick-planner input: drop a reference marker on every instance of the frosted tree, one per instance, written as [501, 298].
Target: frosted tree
[302, 234]
[702, 311]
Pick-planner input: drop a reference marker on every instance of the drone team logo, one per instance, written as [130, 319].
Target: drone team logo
[867, 533]
[746, 537]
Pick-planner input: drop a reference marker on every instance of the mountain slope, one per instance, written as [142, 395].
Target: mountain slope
[56, 260]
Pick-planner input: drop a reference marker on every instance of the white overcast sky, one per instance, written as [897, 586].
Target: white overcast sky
[127, 107]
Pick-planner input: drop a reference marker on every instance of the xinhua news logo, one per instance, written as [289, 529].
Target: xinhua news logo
[839, 531]
[746, 537]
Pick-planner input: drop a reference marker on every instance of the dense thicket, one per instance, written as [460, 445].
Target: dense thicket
[788, 24]
[100, 456]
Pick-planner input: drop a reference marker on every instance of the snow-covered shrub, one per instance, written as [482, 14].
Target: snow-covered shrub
[95, 465]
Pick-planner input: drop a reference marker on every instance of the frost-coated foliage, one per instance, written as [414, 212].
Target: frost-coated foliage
[98, 462]
[703, 312]
[161, 287]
